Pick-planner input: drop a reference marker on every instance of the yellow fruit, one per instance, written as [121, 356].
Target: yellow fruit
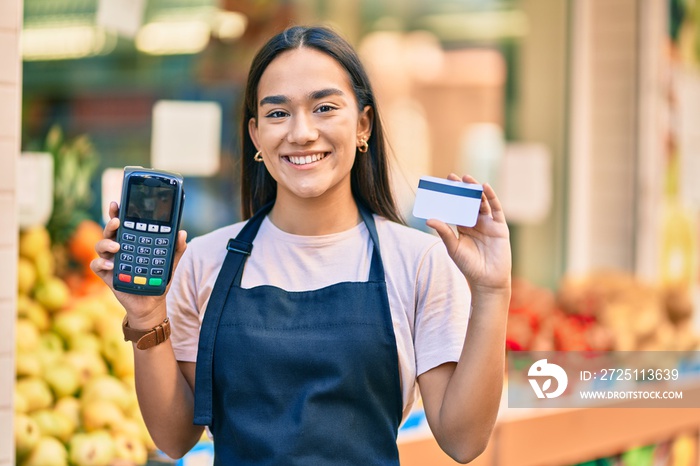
[63, 379]
[28, 364]
[101, 414]
[70, 323]
[29, 309]
[107, 388]
[27, 335]
[92, 449]
[69, 406]
[20, 402]
[88, 365]
[130, 448]
[36, 392]
[54, 424]
[45, 266]
[48, 452]
[34, 242]
[26, 276]
[52, 293]
[27, 434]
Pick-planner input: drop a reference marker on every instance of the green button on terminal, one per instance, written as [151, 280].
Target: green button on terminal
[155, 281]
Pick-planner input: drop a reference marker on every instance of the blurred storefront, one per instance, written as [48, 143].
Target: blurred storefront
[582, 113]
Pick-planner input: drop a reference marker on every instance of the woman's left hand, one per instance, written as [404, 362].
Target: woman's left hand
[481, 252]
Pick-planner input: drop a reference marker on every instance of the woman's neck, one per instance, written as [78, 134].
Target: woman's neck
[314, 217]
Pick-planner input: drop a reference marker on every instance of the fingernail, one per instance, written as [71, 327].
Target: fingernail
[109, 264]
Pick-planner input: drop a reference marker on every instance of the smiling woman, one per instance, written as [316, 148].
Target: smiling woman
[307, 328]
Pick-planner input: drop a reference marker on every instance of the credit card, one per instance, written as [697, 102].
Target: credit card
[452, 202]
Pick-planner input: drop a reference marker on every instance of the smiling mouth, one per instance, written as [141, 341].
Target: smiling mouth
[306, 159]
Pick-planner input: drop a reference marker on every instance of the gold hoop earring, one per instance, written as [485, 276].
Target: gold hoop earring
[258, 156]
[363, 147]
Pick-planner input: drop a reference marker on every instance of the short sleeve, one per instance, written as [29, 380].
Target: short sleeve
[183, 310]
[442, 310]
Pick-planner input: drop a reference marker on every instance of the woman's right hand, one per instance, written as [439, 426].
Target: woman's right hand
[142, 311]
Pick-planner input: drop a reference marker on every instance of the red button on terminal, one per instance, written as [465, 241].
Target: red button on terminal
[124, 278]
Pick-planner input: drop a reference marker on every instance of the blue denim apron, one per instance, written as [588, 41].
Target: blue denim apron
[298, 378]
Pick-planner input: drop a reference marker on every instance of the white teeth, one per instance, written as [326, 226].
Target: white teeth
[306, 159]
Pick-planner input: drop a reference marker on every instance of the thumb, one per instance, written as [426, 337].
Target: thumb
[180, 247]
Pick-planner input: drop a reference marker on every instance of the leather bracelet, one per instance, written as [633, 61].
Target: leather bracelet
[146, 338]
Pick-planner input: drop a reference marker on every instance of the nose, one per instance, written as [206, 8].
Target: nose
[302, 130]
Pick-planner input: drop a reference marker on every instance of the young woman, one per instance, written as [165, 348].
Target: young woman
[300, 336]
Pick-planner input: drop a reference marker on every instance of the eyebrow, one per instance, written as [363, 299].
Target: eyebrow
[315, 95]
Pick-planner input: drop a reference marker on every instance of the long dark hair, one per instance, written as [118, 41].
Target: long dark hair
[370, 172]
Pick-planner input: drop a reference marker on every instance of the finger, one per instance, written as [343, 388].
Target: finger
[469, 179]
[484, 207]
[111, 227]
[102, 267]
[453, 177]
[113, 209]
[106, 248]
[180, 247]
[495, 204]
[445, 233]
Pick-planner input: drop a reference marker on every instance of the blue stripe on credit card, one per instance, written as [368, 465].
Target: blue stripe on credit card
[449, 189]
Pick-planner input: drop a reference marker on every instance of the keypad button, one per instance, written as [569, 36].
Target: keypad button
[125, 267]
[129, 224]
[158, 262]
[140, 280]
[155, 281]
[160, 251]
[145, 240]
[143, 250]
[143, 260]
[158, 272]
[126, 257]
[162, 241]
[126, 247]
[141, 226]
[128, 237]
[165, 229]
[152, 228]
[141, 270]
[124, 278]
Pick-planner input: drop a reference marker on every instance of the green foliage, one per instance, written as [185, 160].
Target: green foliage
[75, 162]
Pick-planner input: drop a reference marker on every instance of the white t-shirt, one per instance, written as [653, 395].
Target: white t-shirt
[428, 296]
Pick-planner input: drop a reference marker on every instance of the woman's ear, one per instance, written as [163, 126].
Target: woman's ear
[365, 122]
[253, 131]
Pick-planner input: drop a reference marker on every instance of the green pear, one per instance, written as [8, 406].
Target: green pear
[70, 407]
[92, 449]
[87, 364]
[36, 392]
[26, 276]
[47, 452]
[52, 293]
[54, 424]
[29, 309]
[85, 342]
[101, 414]
[69, 323]
[27, 364]
[27, 434]
[63, 379]
[107, 387]
[26, 335]
[20, 402]
[130, 448]
[51, 349]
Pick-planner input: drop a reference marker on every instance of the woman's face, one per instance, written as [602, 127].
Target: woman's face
[308, 125]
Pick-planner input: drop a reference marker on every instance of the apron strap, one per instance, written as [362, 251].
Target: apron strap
[376, 269]
[239, 249]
